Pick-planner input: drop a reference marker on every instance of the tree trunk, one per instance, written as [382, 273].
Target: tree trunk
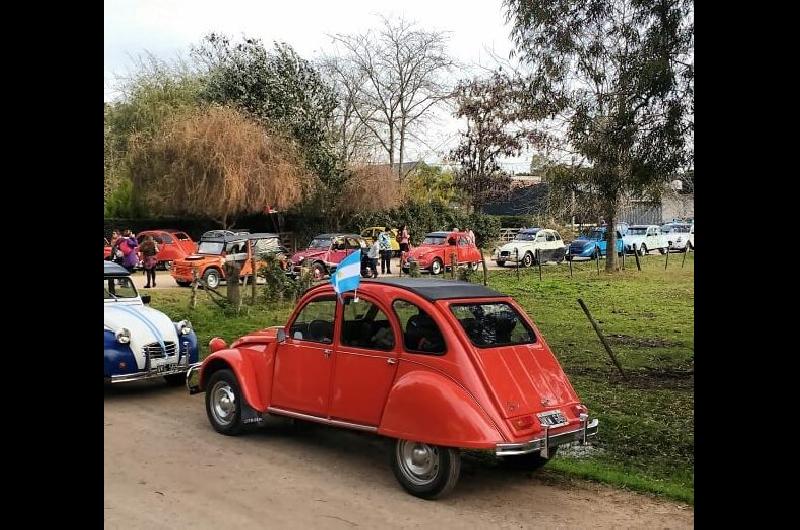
[402, 146]
[391, 147]
[612, 261]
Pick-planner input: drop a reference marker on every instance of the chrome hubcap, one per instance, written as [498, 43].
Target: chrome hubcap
[436, 267]
[419, 462]
[223, 403]
[213, 281]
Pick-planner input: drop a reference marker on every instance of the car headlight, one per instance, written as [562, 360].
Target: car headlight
[185, 327]
[123, 335]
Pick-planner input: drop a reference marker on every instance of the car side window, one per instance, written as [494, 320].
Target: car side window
[558, 236]
[540, 237]
[551, 237]
[463, 242]
[420, 332]
[181, 236]
[165, 238]
[364, 325]
[352, 243]
[314, 323]
[339, 244]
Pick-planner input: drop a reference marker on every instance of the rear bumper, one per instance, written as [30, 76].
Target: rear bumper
[544, 443]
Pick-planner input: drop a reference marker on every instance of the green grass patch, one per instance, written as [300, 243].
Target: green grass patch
[646, 438]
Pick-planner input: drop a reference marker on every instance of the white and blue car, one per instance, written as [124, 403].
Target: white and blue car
[140, 342]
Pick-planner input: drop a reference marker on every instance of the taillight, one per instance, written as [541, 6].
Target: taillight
[522, 423]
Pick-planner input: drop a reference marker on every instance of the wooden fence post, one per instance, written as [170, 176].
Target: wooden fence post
[539, 261]
[602, 339]
[485, 273]
[636, 255]
[194, 288]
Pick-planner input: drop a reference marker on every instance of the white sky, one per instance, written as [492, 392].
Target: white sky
[168, 28]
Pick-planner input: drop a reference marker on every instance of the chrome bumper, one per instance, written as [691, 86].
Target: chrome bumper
[193, 389]
[139, 376]
[544, 443]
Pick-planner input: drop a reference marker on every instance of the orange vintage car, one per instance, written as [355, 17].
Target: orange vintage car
[172, 245]
[215, 247]
[437, 366]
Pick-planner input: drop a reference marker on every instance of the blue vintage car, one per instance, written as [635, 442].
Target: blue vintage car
[593, 243]
[140, 342]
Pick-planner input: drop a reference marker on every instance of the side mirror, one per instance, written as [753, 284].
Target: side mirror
[281, 335]
[145, 299]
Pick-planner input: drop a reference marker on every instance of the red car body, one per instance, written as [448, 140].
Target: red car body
[511, 399]
[106, 249]
[326, 251]
[172, 245]
[437, 250]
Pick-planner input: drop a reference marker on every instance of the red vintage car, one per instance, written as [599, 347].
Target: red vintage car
[106, 249]
[436, 365]
[436, 252]
[172, 245]
[326, 251]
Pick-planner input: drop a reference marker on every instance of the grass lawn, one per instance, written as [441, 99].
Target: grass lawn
[646, 438]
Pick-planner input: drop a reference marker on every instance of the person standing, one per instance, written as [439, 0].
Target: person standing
[128, 247]
[471, 235]
[404, 237]
[372, 255]
[149, 249]
[385, 242]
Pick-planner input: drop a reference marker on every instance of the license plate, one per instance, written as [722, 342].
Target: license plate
[552, 418]
[165, 368]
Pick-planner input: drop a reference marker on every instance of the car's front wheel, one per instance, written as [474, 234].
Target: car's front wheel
[224, 403]
[212, 278]
[436, 267]
[643, 249]
[318, 272]
[528, 462]
[527, 259]
[425, 471]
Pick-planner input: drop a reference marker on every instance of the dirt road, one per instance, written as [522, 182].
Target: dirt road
[165, 467]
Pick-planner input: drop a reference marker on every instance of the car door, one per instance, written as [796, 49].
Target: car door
[365, 361]
[559, 248]
[304, 363]
[464, 254]
[549, 248]
[338, 250]
[352, 245]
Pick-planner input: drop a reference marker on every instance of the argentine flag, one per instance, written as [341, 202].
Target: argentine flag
[348, 273]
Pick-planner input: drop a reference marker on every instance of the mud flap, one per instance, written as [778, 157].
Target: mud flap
[250, 415]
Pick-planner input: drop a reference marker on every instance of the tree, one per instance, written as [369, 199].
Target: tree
[218, 163]
[429, 184]
[154, 91]
[394, 78]
[619, 76]
[489, 107]
[284, 92]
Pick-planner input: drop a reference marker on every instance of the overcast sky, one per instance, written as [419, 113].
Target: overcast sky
[168, 28]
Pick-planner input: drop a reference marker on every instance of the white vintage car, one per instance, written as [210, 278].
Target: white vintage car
[526, 244]
[140, 342]
[680, 236]
[645, 238]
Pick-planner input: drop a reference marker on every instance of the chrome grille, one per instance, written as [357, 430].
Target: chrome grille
[154, 350]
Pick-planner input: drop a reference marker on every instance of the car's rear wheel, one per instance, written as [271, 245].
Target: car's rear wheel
[425, 471]
[224, 403]
[175, 379]
[212, 278]
[167, 265]
[688, 246]
[436, 267]
[528, 462]
[662, 251]
[643, 249]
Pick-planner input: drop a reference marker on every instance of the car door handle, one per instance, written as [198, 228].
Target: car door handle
[327, 352]
[391, 361]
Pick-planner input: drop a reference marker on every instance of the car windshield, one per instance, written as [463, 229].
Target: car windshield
[526, 236]
[210, 247]
[493, 324]
[637, 231]
[118, 288]
[596, 233]
[683, 229]
[434, 240]
[320, 242]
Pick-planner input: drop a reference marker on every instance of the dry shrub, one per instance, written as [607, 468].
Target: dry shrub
[373, 188]
[218, 163]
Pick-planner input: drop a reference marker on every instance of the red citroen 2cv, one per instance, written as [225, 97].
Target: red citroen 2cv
[438, 249]
[436, 365]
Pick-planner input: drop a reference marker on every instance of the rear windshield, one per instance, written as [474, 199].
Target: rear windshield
[434, 240]
[493, 324]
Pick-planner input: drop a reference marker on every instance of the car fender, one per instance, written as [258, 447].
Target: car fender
[255, 384]
[429, 407]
